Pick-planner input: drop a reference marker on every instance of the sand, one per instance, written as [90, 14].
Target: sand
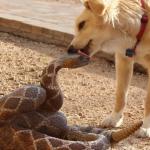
[89, 92]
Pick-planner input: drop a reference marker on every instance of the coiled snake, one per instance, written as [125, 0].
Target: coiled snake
[29, 117]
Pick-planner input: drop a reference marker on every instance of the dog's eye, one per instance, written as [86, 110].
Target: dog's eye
[81, 25]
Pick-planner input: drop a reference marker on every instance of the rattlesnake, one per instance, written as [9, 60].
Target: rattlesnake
[29, 117]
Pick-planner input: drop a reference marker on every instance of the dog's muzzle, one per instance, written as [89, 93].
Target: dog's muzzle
[84, 50]
[72, 50]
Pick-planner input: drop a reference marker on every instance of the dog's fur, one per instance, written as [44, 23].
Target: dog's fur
[112, 26]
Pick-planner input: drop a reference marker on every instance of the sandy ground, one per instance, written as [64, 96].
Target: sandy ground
[89, 91]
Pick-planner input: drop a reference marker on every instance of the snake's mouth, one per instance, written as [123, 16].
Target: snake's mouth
[74, 60]
[81, 60]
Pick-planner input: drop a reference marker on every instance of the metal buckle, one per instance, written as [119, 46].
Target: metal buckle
[130, 52]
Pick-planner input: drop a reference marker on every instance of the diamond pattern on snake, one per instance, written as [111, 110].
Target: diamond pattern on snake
[30, 117]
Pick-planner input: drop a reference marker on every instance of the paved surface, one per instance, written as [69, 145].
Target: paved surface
[52, 15]
[45, 21]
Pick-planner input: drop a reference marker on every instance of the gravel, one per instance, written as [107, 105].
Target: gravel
[89, 92]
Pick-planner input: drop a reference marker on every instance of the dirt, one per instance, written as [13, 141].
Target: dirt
[89, 92]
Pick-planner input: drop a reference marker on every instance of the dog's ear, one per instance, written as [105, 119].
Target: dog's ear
[85, 3]
[96, 6]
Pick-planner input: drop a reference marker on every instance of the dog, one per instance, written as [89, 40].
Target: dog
[112, 26]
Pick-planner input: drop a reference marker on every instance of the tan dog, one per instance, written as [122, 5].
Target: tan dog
[112, 26]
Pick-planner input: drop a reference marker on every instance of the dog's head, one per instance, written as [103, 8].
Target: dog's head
[91, 29]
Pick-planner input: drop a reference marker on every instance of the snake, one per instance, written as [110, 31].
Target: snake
[30, 116]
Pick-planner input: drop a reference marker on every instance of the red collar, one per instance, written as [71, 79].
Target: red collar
[144, 20]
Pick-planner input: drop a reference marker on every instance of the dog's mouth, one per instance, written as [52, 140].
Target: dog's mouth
[85, 51]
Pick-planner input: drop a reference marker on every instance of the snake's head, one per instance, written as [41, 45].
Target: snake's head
[74, 60]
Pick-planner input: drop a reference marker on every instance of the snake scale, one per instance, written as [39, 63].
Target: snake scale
[30, 117]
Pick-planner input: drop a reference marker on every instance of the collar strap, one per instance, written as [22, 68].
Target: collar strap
[142, 3]
[130, 52]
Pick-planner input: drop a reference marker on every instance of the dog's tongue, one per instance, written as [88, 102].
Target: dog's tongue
[82, 53]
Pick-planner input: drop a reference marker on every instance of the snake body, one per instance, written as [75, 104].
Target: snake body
[30, 117]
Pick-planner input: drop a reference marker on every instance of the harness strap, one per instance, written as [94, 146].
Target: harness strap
[144, 20]
[142, 3]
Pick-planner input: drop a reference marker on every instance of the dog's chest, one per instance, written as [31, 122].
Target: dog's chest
[120, 45]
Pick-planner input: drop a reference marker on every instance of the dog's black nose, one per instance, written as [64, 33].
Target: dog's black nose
[72, 50]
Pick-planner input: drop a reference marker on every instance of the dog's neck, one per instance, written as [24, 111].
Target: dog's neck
[125, 15]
